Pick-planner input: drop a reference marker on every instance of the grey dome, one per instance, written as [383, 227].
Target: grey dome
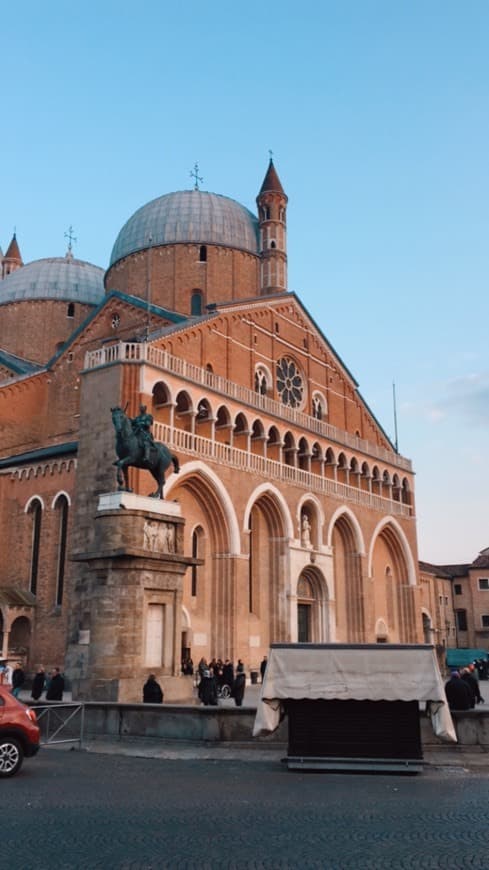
[62, 278]
[188, 216]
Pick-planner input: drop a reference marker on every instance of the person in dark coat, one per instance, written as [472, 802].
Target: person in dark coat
[152, 693]
[228, 674]
[18, 679]
[473, 684]
[56, 687]
[38, 684]
[208, 689]
[239, 685]
[458, 694]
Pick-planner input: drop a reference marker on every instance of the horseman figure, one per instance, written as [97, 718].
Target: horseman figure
[136, 447]
[142, 428]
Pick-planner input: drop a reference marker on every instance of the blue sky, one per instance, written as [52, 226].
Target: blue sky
[377, 114]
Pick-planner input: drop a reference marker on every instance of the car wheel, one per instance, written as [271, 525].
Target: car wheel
[11, 756]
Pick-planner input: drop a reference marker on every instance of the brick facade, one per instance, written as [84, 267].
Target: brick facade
[297, 512]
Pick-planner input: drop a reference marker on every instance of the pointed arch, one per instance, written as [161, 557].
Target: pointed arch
[391, 567]
[403, 541]
[276, 495]
[198, 468]
[345, 537]
[359, 540]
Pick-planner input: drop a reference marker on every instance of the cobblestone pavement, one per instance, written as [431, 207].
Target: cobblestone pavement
[72, 809]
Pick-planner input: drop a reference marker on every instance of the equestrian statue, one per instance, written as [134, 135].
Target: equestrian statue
[135, 446]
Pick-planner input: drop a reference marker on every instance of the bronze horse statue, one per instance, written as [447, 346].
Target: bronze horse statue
[130, 452]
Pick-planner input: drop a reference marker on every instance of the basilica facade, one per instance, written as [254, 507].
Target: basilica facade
[298, 514]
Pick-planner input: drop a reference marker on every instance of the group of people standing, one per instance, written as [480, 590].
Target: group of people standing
[15, 676]
[216, 674]
[462, 689]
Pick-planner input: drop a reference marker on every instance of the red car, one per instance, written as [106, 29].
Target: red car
[19, 732]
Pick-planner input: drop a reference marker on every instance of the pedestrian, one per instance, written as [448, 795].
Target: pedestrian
[208, 689]
[458, 694]
[56, 686]
[38, 683]
[239, 684]
[18, 679]
[263, 667]
[473, 684]
[228, 674]
[152, 692]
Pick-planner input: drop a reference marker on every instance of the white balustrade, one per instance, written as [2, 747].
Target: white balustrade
[161, 359]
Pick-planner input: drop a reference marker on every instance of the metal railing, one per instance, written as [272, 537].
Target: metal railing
[60, 719]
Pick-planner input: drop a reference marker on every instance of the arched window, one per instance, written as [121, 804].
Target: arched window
[35, 512]
[70, 311]
[203, 254]
[196, 303]
[62, 512]
[261, 381]
[160, 395]
[197, 542]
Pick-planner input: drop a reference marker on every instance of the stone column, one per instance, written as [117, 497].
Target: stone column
[128, 601]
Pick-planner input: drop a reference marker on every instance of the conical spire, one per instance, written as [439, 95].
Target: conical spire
[12, 259]
[13, 252]
[271, 182]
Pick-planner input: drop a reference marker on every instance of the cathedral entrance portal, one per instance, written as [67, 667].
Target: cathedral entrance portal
[312, 608]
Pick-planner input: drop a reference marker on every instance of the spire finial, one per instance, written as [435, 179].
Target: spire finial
[195, 175]
[270, 154]
[71, 238]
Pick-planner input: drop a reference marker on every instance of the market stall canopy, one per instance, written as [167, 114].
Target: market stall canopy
[374, 672]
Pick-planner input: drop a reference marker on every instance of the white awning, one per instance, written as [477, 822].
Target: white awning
[360, 672]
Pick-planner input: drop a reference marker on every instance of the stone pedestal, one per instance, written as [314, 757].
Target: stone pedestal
[126, 619]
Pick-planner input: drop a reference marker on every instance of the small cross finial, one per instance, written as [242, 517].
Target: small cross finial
[195, 175]
[71, 238]
[270, 152]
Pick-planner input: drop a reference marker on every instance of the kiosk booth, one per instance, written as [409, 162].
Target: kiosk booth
[353, 706]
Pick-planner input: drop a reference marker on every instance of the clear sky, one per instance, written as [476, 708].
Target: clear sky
[377, 115]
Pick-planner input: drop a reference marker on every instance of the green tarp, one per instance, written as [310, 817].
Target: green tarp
[460, 658]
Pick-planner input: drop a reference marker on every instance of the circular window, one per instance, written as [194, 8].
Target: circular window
[290, 385]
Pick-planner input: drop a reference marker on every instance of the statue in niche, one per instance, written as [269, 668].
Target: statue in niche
[150, 532]
[305, 531]
[170, 538]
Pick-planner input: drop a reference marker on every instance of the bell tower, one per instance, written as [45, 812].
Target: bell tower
[12, 259]
[272, 217]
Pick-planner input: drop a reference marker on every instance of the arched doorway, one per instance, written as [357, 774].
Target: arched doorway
[312, 607]
[20, 638]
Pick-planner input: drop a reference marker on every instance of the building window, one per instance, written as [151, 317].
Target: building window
[461, 616]
[457, 588]
[35, 511]
[196, 304]
[485, 620]
[197, 538]
[483, 583]
[290, 384]
[261, 382]
[203, 254]
[62, 508]
[115, 321]
[70, 311]
[440, 599]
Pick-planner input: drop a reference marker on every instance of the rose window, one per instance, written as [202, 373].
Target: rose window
[290, 385]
